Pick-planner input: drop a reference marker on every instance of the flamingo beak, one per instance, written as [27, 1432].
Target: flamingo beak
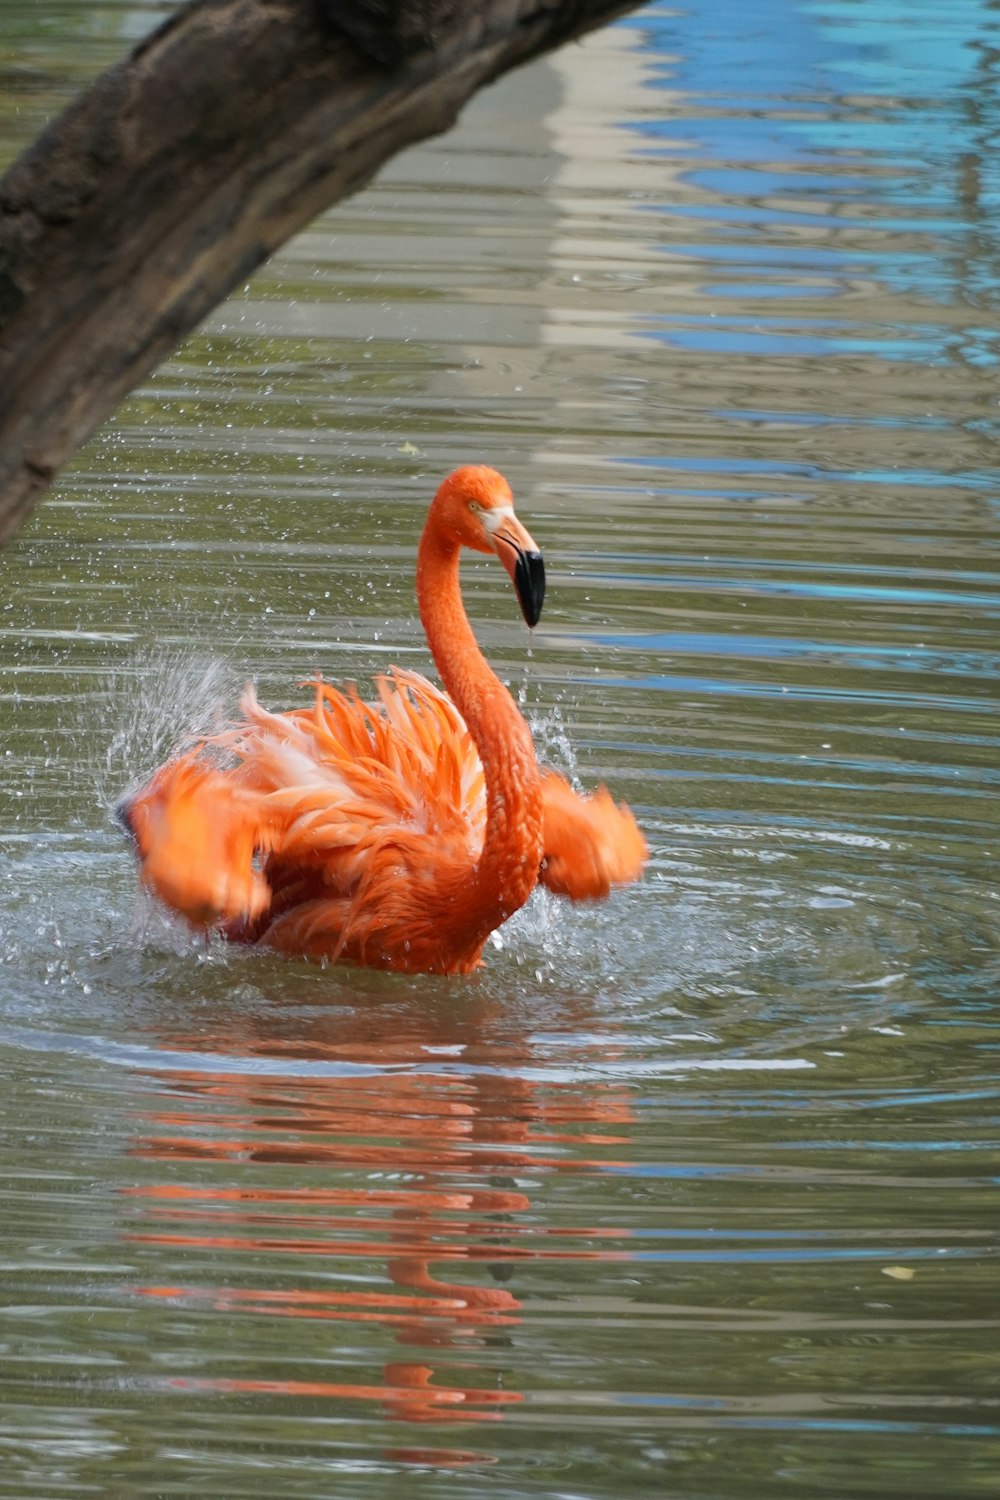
[523, 561]
[529, 582]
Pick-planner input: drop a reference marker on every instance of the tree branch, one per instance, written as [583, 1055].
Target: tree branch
[181, 169]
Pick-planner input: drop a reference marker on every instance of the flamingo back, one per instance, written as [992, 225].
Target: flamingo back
[321, 830]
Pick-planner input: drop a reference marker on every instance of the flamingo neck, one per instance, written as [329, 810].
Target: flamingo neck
[507, 870]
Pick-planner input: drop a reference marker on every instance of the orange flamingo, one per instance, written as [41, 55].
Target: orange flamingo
[396, 834]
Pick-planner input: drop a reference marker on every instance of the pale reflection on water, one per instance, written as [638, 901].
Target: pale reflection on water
[687, 1194]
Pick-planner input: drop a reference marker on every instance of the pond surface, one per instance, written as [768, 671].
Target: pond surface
[693, 1194]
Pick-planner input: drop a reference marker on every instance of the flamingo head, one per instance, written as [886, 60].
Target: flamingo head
[476, 509]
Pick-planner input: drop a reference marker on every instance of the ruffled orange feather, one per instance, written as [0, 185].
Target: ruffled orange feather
[590, 843]
[308, 830]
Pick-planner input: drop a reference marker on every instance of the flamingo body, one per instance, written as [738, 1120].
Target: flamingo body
[394, 834]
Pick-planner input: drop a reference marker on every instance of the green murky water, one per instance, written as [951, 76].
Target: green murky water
[690, 1195]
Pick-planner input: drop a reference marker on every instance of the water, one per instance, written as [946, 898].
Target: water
[693, 1194]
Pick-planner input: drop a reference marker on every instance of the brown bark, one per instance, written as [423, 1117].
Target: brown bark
[182, 168]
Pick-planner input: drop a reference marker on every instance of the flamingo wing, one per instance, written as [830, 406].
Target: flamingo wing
[199, 838]
[590, 843]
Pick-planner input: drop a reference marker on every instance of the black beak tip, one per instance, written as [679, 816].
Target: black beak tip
[529, 581]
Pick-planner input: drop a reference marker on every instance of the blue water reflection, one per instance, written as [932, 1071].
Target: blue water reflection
[806, 120]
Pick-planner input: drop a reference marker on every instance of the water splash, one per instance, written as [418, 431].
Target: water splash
[141, 715]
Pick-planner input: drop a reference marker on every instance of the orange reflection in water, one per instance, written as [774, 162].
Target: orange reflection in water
[417, 1161]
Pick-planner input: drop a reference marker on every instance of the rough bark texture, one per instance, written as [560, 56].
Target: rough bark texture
[182, 168]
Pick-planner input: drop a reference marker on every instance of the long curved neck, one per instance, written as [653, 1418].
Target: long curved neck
[512, 847]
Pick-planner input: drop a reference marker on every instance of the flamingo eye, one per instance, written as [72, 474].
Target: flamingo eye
[475, 507]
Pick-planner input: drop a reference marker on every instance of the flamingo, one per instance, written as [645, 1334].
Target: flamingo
[396, 834]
